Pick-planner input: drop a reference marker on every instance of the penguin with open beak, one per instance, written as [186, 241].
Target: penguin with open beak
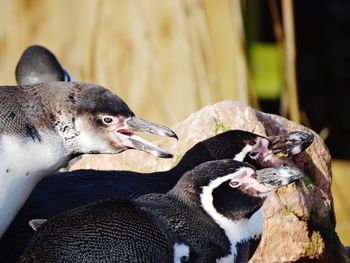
[37, 65]
[204, 218]
[43, 126]
[89, 118]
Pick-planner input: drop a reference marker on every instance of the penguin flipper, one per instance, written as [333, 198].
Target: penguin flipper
[37, 223]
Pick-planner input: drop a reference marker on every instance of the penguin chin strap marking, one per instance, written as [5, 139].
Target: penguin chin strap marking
[235, 231]
[181, 253]
[243, 153]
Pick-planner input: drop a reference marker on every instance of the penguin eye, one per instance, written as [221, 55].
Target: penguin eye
[235, 184]
[107, 120]
[254, 176]
[253, 154]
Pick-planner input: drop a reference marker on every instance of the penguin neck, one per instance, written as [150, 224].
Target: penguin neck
[210, 150]
[24, 162]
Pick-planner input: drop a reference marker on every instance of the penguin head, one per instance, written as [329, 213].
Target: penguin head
[92, 119]
[248, 147]
[37, 64]
[232, 189]
[245, 190]
[275, 151]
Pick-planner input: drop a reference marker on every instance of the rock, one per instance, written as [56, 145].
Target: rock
[299, 220]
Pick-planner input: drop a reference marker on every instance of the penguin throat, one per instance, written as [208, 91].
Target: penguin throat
[235, 204]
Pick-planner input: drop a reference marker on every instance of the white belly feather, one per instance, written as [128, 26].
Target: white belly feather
[22, 166]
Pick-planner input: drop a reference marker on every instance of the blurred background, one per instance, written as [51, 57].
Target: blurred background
[169, 58]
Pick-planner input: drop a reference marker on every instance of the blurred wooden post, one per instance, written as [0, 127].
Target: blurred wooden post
[225, 23]
[165, 58]
[290, 68]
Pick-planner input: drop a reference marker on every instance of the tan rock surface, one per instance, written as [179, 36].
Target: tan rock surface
[299, 220]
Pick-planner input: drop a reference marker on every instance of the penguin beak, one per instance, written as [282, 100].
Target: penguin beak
[127, 137]
[275, 151]
[290, 144]
[274, 178]
[140, 125]
[263, 181]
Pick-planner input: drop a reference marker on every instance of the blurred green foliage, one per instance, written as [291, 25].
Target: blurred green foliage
[267, 69]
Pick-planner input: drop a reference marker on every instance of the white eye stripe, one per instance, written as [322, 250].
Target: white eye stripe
[242, 154]
[235, 231]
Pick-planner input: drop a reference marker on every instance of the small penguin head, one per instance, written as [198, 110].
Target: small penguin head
[94, 120]
[264, 181]
[36, 65]
[230, 188]
[276, 150]
[240, 194]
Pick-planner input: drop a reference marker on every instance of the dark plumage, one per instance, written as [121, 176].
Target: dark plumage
[63, 191]
[182, 223]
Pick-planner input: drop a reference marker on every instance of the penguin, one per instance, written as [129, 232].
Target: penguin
[43, 126]
[205, 217]
[37, 64]
[62, 191]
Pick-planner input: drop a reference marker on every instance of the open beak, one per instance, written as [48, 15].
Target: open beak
[290, 144]
[127, 137]
[140, 125]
